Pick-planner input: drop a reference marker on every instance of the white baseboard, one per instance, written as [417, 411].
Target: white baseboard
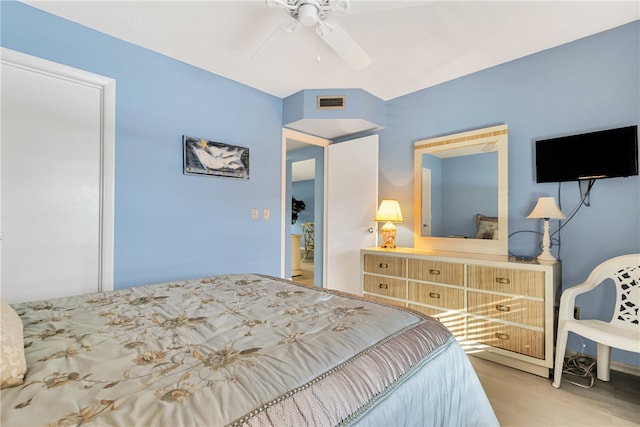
[626, 368]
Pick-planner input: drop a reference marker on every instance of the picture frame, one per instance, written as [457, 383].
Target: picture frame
[203, 157]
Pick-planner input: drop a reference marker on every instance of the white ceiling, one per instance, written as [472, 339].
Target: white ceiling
[412, 44]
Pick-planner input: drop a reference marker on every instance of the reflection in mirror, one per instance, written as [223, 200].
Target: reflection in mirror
[461, 192]
[459, 188]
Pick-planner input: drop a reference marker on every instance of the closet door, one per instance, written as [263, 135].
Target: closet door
[52, 174]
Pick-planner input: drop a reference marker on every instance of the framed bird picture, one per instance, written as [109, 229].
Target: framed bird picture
[202, 157]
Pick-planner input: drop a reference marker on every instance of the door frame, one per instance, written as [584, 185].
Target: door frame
[107, 88]
[288, 134]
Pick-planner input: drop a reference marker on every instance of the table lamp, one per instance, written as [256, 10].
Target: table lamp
[546, 208]
[390, 212]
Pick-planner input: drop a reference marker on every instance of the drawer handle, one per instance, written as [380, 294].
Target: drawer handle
[383, 286]
[384, 265]
[504, 308]
[502, 280]
[434, 295]
[502, 336]
[434, 272]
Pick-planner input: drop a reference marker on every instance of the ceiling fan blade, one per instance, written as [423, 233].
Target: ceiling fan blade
[263, 52]
[344, 45]
[291, 27]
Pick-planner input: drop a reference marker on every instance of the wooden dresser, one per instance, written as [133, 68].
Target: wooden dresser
[498, 308]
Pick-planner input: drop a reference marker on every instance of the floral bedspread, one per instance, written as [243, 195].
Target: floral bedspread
[224, 350]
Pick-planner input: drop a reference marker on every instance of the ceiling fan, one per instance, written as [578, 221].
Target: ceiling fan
[314, 13]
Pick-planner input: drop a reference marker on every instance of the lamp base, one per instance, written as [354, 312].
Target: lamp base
[546, 244]
[546, 256]
[388, 236]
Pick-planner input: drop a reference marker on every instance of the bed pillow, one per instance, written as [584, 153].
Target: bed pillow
[13, 365]
[487, 227]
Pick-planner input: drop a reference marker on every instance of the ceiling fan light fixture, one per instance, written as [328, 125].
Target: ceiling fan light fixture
[308, 14]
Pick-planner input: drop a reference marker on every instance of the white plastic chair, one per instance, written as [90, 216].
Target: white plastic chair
[622, 331]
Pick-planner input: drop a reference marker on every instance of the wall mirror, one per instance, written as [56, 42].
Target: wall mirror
[460, 195]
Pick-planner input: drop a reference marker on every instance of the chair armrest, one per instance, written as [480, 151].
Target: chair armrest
[568, 298]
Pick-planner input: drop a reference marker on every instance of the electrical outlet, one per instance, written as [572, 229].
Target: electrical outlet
[267, 214]
[254, 214]
[576, 312]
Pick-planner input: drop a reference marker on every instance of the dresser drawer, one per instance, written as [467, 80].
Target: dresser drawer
[519, 310]
[441, 296]
[385, 286]
[388, 265]
[521, 282]
[436, 271]
[512, 338]
[452, 320]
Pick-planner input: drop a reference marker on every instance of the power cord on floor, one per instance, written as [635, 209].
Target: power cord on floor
[579, 366]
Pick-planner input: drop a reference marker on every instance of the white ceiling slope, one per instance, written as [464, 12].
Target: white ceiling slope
[412, 44]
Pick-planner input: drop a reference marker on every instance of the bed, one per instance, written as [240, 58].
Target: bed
[239, 349]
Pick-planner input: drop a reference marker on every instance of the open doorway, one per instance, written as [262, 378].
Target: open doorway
[303, 207]
[303, 218]
[345, 202]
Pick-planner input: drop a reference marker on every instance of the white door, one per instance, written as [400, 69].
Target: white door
[350, 209]
[54, 211]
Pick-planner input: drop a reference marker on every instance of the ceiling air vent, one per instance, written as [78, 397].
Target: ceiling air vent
[331, 102]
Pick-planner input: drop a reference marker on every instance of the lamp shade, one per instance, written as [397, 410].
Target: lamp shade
[389, 210]
[546, 208]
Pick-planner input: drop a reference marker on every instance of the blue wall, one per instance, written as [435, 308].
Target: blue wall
[589, 84]
[169, 225]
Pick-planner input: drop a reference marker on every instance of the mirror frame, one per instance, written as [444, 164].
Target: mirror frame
[498, 135]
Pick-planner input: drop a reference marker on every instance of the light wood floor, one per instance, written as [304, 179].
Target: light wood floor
[306, 267]
[522, 399]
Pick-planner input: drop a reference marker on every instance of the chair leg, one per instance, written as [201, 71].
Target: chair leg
[604, 361]
[561, 346]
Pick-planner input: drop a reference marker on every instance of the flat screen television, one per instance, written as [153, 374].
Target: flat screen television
[607, 153]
